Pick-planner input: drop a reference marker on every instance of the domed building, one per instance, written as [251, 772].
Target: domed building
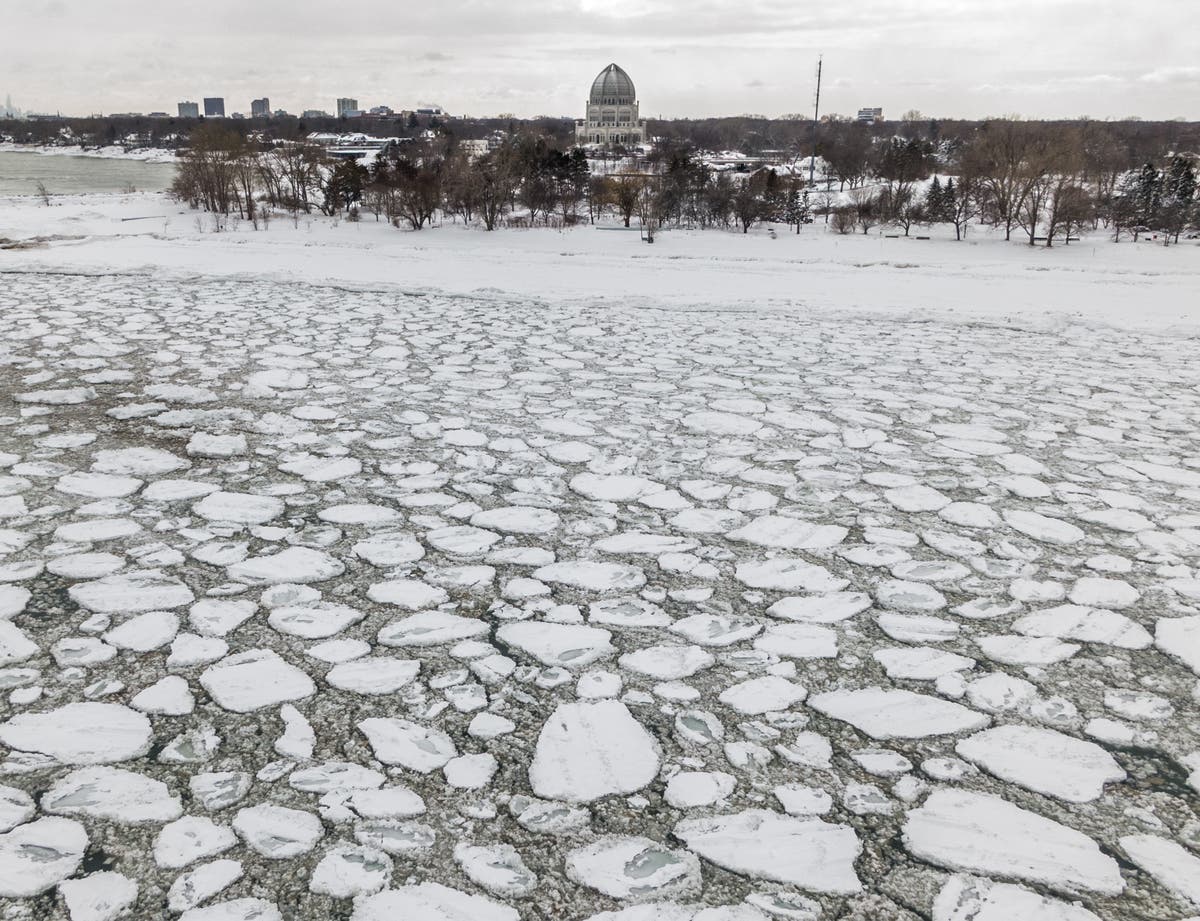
[612, 111]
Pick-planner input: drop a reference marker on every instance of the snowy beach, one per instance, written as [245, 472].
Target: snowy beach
[111, 152]
[1140, 286]
[538, 574]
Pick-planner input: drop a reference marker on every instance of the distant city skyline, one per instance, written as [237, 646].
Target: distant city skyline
[946, 58]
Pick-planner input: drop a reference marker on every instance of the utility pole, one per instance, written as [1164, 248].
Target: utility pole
[812, 161]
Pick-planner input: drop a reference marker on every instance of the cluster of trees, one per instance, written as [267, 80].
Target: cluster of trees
[1043, 181]
[1133, 140]
[1031, 178]
[1155, 200]
[526, 181]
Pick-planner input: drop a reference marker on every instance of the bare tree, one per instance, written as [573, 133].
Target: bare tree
[1033, 204]
[1009, 157]
[299, 166]
[748, 205]
[1069, 208]
[1051, 170]
[825, 201]
[718, 200]
[847, 149]
[1105, 159]
[495, 187]
[961, 203]
[461, 187]
[866, 208]
[627, 192]
[208, 173]
[536, 193]
[844, 219]
[269, 178]
[246, 176]
[600, 196]
[649, 210]
[418, 182]
[961, 200]
[906, 210]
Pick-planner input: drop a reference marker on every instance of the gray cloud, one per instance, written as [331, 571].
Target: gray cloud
[688, 57]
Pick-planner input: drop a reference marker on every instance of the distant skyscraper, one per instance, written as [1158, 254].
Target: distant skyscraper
[873, 114]
[214, 107]
[260, 108]
[345, 106]
[189, 110]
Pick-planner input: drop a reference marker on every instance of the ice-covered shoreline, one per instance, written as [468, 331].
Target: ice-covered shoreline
[114, 152]
[984, 280]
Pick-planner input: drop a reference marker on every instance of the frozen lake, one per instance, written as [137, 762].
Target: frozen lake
[490, 607]
[21, 171]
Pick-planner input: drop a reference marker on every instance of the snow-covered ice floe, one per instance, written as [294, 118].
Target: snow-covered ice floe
[351, 603]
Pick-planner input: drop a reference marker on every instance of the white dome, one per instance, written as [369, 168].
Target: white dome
[613, 86]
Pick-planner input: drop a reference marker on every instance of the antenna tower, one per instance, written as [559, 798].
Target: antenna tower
[812, 160]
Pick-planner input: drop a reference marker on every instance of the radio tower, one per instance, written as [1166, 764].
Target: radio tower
[812, 161]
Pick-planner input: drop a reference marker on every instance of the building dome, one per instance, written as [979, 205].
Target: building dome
[612, 87]
[611, 116]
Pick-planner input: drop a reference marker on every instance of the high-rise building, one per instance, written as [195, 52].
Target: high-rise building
[873, 114]
[260, 108]
[346, 106]
[189, 110]
[214, 107]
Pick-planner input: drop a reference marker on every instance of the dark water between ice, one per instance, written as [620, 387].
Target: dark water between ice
[21, 171]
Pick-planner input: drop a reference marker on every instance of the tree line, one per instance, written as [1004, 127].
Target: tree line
[1044, 182]
[1135, 140]
[526, 181]
[1040, 181]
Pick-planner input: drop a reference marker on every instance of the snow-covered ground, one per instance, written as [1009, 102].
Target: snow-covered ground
[536, 575]
[113, 152]
[1142, 286]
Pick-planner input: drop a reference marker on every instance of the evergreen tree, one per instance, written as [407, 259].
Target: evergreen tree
[1180, 181]
[1177, 197]
[1149, 195]
[775, 199]
[949, 201]
[798, 209]
[791, 212]
[935, 201]
[1124, 211]
[343, 186]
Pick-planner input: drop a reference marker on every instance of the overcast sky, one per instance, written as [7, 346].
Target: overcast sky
[949, 58]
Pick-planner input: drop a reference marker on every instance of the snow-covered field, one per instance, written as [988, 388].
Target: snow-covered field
[530, 576]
